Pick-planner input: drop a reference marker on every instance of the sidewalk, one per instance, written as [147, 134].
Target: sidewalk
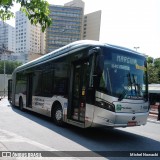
[153, 114]
[14, 146]
[153, 118]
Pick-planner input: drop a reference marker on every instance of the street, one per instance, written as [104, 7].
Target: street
[27, 131]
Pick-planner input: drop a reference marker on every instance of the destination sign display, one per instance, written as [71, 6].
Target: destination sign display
[124, 59]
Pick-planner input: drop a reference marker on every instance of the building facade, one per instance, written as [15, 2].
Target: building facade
[7, 36]
[154, 93]
[66, 26]
[7, 40]
[92, 25]
[26, 42]
[28, 37]
[75, 3]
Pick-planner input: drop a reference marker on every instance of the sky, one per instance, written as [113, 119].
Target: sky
[128, 23]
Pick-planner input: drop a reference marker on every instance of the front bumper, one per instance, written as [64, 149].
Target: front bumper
[112, 119]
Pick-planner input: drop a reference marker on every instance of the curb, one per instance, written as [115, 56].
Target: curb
[153, 121]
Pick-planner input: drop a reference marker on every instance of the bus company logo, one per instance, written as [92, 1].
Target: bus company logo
[6, 154]
[118, 107]
[133, 118]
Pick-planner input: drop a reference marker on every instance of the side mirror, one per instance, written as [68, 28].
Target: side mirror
[98, 60]
[99, 65]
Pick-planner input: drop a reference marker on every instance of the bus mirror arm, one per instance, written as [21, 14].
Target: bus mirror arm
[91, 95]
[99, 65]
[99, 59]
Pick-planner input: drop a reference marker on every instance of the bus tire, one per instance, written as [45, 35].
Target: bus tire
[57, 115]
[21, 104]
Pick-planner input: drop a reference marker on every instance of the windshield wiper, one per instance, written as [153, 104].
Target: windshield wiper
[130, 82]
[129, 88]
[138, 88]
[133, 88]
[122, 95]
[135, 84]
[124, 92]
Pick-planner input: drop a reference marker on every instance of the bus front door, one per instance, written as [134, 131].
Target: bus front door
[78, 100]
[29, 91]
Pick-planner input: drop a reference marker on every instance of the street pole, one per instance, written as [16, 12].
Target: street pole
[4, 75]
[136, 48]
[4, 55]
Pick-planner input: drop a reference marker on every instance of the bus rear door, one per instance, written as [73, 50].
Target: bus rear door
[9, 89]
[29, 91]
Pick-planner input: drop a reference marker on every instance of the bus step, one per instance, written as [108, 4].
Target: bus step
[76, 123]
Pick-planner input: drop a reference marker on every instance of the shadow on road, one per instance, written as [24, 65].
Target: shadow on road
[96, 139]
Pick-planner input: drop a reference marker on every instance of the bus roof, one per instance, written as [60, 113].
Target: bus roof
[74, 46]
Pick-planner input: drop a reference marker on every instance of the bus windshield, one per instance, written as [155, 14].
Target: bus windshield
[124, 75]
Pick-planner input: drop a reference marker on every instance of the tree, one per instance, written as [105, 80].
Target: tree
[153, 70]
[157, 63]
[37, 11]
[150, 60]
[10, 66]
[152, 74]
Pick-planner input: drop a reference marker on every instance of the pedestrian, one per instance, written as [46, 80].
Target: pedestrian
[158, 118]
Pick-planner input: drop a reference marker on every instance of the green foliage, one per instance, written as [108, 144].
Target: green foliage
[36, 10]
[150, 60]
[157, 63]
[5, 6]
[154, 71]
[10, 66]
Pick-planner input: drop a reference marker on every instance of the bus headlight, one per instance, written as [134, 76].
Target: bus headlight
[105, 105]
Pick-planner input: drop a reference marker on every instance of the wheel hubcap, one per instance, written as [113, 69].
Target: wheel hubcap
[58, 115]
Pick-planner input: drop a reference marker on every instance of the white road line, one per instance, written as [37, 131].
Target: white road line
[6, 136]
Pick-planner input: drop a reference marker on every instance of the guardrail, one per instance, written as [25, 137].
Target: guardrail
[153, 114]
[154, 109]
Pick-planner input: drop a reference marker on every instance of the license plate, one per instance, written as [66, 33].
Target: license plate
[132, 123]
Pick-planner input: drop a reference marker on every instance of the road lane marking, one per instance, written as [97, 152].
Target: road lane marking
[7, 136]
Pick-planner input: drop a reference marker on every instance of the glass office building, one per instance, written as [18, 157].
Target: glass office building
[66, 26]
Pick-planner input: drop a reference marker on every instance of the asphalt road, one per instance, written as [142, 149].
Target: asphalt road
[27, 131]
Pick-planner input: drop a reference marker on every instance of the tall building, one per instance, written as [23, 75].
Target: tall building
[7, 41]
[75, 3]
[29, 37]
[67, 25]
[7, 36]
[92, 26]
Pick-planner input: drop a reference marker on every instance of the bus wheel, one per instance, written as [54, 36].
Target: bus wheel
[57, 115]
[21, 104]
